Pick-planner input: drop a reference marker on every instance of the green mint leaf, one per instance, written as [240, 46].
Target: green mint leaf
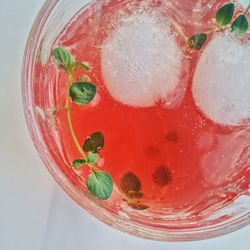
[240, 25]
[78, 65]
[196, 41]
[92, 158]
[100, 184]
[63, 58]
[225, 14]
[78, 163]
[82, 92]
[94, 143]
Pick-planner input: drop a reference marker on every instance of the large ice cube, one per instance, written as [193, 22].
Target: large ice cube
[228, 158]
[221, 83]
[141, 62]
[244, 3]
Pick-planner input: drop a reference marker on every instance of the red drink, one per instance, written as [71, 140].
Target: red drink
[185, 162]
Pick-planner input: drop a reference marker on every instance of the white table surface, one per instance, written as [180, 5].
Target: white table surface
[35, 214]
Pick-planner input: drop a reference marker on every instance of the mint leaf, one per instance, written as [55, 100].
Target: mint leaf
[225, 14]
[130, 182]
[240, 25]
[94, 143]
[63, 58]
[92, 158]
[196, 41]
[78, 163]
[100, 184]
[82, 92]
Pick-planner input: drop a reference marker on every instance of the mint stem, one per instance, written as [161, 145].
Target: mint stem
[217, 29]
[179, 30]
[247, 9]
[95, 170]
[68, 114]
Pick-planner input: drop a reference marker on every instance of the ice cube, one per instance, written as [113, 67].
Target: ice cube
[141, 61]
[221, 82]
[244, 3]
[229, 157]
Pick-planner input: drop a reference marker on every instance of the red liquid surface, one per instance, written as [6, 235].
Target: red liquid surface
[168, 149]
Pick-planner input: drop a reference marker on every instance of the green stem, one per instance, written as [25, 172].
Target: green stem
[217, 29]
[247, 9]
[95, 170]
[179, 30]
[68, 114]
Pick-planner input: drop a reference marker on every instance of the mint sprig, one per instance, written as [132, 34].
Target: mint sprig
[99, 183]
[65, 60]
[223, 17]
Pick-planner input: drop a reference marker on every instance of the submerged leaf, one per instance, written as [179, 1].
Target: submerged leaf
[82, 92]
[138, 206]
[162, 176]
[130, 183]
[134, 195]
[196, 41]
[94, 143]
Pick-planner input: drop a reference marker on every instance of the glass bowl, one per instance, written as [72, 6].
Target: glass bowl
[37, 102]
